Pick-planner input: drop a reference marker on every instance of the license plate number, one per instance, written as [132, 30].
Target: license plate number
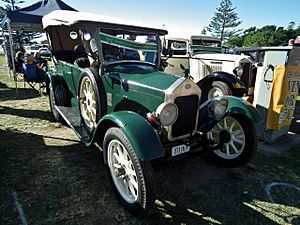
[180, 149]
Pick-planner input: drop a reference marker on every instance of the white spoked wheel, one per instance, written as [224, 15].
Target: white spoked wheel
[214, 93]
[122, 170]
[233, 135]
[237, 135]
[133, 180]
[88, 103]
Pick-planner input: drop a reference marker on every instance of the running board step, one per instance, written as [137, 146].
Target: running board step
[74, 121]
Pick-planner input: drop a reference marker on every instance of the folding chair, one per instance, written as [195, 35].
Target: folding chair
[33, 78]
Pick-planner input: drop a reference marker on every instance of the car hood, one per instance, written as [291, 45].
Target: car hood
[154, 83]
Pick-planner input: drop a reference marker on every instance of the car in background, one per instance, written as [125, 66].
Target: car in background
[45, 52]
[217, 74]
[31, 49]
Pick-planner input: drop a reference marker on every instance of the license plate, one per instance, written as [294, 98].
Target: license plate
[180, 149]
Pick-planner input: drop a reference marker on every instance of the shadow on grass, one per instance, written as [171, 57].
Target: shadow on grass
[65, 183]
[28, 113]
[3, 85]
[17, 94]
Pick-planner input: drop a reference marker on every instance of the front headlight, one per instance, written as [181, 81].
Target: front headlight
[167, 113]
[238, 71]
[219, 107]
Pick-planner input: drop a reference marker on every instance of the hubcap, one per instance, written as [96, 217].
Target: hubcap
[230, 132]
[122, 170]
[214, 93]
[88, 102]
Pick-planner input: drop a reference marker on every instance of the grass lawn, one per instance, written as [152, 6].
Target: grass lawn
[59, 181]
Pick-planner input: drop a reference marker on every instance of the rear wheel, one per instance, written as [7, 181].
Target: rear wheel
[132, 179]
[57, 97]
[238, 135]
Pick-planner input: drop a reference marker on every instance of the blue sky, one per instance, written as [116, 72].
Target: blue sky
[187, 17]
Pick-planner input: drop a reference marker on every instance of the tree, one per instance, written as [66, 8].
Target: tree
[291, 25]
[223, 20]
[203, 32]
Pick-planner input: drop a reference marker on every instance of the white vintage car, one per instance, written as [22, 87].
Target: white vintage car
[217, 74]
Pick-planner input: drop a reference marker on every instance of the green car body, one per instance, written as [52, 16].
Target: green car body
[108, 86]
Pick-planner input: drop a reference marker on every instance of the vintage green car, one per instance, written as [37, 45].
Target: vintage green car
[107, 85]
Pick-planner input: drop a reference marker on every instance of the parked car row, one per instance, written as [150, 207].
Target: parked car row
[109, 88]
[32, 49]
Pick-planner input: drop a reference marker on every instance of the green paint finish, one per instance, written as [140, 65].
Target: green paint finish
[71, 74]
[139, 132]
[239, 106]
[141, 93]
[157, 81]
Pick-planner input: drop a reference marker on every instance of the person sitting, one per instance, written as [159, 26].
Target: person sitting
[32, 71]
[19, 61]
[131, 54]
[41, 63]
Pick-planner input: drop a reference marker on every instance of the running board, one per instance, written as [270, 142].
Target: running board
[73, 119]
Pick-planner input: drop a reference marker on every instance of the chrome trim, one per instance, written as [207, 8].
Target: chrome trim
[179, 89]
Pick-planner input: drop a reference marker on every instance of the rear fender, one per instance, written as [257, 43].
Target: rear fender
[139, 132]
[236, 106]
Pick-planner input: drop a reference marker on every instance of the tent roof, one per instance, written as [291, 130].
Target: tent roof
[30, 17]
[68, 18]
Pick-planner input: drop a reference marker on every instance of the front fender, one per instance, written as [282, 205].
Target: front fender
[240, 106]
[139, 132]
[236, 85]
[236, 106]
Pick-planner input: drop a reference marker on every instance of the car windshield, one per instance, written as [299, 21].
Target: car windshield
[129, 47]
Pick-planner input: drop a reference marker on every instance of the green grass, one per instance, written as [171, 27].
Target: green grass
[59, 181]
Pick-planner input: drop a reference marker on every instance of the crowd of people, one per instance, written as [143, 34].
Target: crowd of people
[33, 66]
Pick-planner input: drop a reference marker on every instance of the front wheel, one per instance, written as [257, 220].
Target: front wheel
[132, 179]
[238, 135]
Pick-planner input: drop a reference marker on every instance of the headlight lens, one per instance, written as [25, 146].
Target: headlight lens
[238, 71]
[167, 113]
[220, 107]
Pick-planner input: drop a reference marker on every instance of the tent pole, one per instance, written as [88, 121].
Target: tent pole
[12, 55]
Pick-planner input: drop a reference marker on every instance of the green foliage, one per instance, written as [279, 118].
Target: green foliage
[268, 35]
[224, 19]
[203, 32]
